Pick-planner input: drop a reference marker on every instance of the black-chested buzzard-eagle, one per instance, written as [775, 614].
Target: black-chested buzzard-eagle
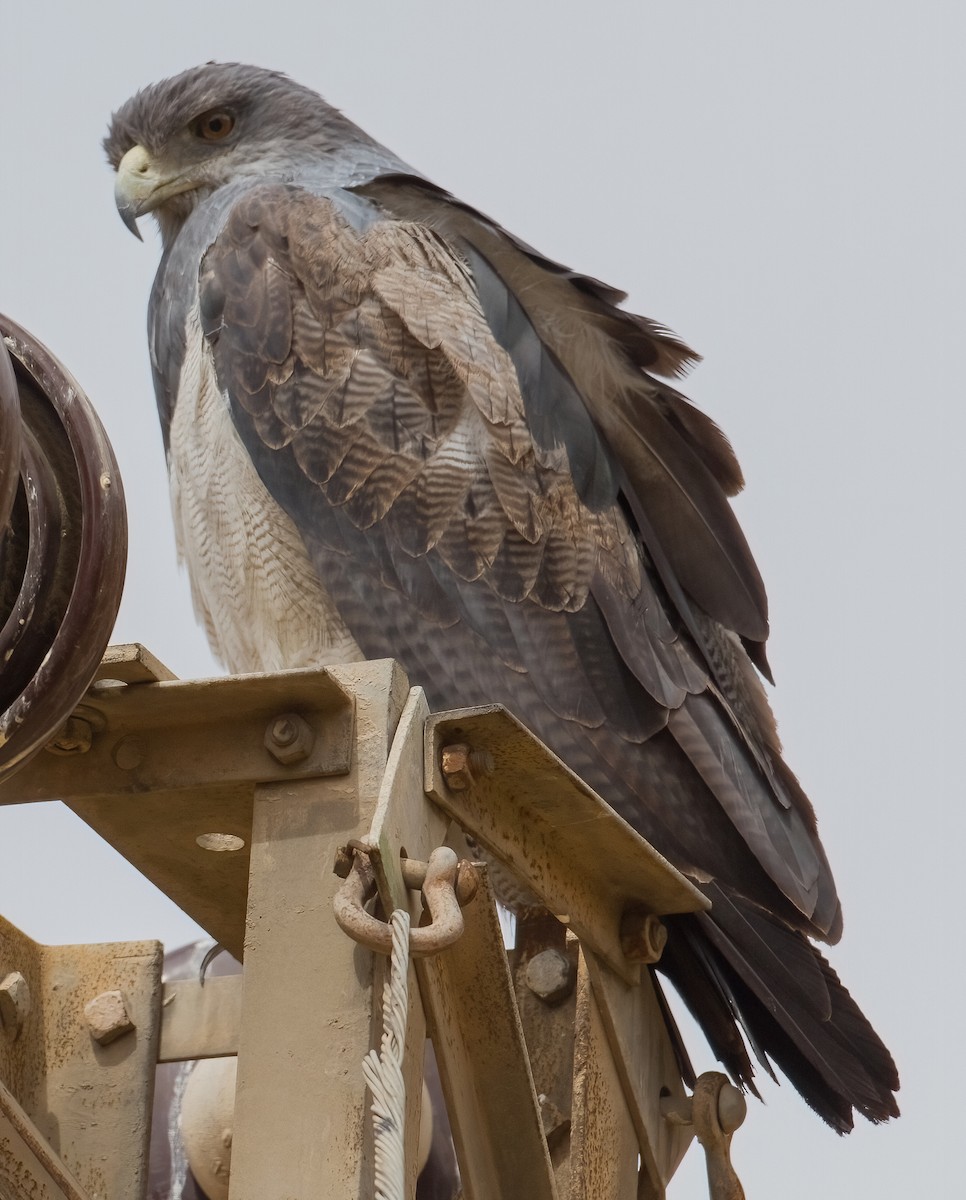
[393, 429]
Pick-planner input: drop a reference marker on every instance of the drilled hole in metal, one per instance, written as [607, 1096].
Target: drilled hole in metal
[219, 841]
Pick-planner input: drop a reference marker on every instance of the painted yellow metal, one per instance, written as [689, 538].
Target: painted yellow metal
[646, 1066]
[604, 1145]
[476, 1031]
[467, 995]
[91, 1103]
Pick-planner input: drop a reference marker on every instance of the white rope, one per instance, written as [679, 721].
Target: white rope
[383, 1071]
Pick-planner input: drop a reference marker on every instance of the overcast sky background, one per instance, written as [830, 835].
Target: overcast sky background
[783, 185]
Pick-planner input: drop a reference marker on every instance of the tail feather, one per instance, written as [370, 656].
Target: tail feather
[752, 969]
[685, 1067]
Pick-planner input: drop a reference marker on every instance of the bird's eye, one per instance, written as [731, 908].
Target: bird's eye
[213, 126]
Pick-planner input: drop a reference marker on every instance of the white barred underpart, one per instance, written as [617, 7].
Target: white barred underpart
[262, 604]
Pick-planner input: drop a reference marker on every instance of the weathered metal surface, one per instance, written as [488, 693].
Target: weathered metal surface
[10, 437]
[63, 545]
[167, 736]
[542, 820]
[130, 662]
[643, 937]
[646, 1066]
[603, 1141]
[549, 1031]
[90, 1102]
[467, 994]
[200, 1021]
[168, 763]
[28, 1165]
[300, 1114]
[472, 1015]
[107, 1017]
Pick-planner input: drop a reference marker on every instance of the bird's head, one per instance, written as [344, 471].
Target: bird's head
[174, 143]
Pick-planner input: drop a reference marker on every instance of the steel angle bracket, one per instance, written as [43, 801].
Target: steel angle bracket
[78, 1044]
[166, 770]
[517, 799]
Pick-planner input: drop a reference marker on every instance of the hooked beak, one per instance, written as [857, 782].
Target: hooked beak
[140, 187]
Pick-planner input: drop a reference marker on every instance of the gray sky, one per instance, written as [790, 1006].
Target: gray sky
[782, 185]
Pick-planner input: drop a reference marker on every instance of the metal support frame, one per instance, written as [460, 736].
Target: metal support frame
[239, 798]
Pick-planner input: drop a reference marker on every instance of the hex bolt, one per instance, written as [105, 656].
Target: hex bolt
[550, 976]
[14, 1003]
[107, 1017]
[75, 737]
[289, 738]
[461, 765]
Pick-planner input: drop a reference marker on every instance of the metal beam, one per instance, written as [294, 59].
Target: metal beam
[301, 1106]
[525, 806]
[200, 1021]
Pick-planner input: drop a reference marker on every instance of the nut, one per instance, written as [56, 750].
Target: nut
[550, 975]
[462, 765]
[107, 1017]
[289, 739]
[75, 737]
[455, 762]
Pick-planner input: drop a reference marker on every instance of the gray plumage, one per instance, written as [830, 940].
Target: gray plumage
[394, 430]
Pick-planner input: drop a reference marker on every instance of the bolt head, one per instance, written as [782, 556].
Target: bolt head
[107, 1017]
[550, 976]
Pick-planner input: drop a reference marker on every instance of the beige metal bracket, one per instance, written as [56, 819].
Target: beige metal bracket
[538, 817]
[78, 1107]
